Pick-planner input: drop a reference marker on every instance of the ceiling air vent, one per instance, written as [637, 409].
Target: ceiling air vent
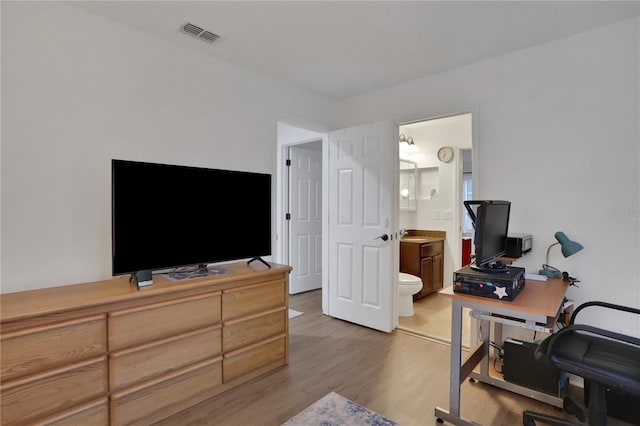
[197, 32]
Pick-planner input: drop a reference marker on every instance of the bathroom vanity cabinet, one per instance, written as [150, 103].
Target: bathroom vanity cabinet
[423, 256]
[106, 353]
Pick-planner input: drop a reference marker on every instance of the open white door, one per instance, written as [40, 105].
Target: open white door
[305, 221]
[362, 271]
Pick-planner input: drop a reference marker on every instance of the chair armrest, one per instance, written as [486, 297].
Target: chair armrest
[608, 334]
[602, 305]
[598, 332]
[546, 346]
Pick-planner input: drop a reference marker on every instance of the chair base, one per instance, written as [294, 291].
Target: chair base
[595, 415]
[570, 407]
[529, 419]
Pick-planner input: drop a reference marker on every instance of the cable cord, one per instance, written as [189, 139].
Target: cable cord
[496, 368]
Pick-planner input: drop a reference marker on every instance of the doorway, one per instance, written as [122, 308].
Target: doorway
[442, 184]
[304, 216]
[362, 163]
[299, 223]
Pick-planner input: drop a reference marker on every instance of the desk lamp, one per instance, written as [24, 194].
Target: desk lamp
[568, 248]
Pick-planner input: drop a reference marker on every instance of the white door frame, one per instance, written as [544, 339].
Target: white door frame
[459, 210]
[282, 237]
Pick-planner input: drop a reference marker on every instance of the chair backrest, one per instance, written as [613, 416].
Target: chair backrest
[597, 354]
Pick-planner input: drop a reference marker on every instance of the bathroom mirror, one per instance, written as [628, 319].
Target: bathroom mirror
[408, 177]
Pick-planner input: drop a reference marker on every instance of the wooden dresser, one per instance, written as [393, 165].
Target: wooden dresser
[106, 353]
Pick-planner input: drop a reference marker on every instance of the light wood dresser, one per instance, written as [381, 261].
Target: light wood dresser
[107, 353]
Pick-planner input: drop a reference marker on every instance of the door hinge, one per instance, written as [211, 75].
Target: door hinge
[287, 216]
[288, 163]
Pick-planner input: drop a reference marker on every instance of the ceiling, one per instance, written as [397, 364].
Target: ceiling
[341, 49]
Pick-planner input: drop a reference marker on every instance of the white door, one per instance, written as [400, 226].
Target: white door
[363, 181]
[305, 223]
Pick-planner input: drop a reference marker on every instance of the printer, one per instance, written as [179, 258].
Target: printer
[518, 245]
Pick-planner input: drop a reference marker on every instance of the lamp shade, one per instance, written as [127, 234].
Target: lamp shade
[567, 246]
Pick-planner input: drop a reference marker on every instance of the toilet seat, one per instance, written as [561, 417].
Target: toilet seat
[404, 278]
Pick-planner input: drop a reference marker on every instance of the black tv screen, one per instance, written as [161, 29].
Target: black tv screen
[491, 220]
[165, 216]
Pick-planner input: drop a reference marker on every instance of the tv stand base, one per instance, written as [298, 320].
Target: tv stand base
[259, 259]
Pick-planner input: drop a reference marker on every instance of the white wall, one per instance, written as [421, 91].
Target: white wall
[556, 131]
[79, 90]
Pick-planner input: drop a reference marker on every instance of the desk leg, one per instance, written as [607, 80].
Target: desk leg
[453, 414]
[485, 337]
[456, 358]
[497, 333]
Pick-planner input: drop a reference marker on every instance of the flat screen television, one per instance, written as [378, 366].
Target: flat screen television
[491, 222]
[166, 216]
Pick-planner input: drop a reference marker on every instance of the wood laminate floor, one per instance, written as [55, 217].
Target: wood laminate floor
[401, 376]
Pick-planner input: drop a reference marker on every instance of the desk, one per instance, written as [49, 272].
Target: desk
[536, 308]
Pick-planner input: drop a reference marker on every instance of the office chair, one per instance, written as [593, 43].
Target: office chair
[603, 358]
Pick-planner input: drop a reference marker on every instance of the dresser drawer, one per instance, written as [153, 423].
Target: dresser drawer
[157, 399]
[254, 361]
[252, 299]
[151, 322]
[94, 413]
[34, 396]
[33, 350]
[430, 249]
[139, 363]
[253, 329]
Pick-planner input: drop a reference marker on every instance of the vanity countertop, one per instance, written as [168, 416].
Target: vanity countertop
[420, 239]
[421, 236]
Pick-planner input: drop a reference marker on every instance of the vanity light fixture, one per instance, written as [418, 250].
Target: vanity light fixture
[409, 145]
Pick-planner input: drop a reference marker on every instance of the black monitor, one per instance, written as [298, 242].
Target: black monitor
[491, 222]
[164, 216]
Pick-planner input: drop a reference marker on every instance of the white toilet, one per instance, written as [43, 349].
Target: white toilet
[408, 285]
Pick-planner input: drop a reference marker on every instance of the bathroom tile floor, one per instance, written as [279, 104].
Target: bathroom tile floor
[432, 318]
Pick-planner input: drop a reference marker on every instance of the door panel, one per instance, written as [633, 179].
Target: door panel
[372, 196]
[345, 197]
[345, 272]
[371, 276]
[427, 276]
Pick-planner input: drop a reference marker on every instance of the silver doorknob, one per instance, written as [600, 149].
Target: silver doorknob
[383, 237]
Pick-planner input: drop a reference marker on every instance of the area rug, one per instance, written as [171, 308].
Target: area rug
[293, 313]
[335, 410]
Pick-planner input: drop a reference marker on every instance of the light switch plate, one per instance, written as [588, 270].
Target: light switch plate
[436, 215]
[447, 214]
